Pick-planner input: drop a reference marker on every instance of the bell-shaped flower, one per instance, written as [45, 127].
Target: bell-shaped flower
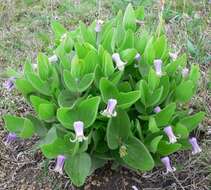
[185, 72]
[195, 147]
[59, 164]
[98, 26]
[53, 59]
[173, 55]
[9, 84]
[157, 109]
[11, 137]
[138, 57]
[158, 66]
[79, 132]
[119, 63]
[166, 162]
[34, 66]
[169, 132]
[110, 109]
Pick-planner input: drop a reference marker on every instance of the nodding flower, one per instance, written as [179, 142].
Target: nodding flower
[119, 63]
[195, 147]
[9, 83]
[158, 66]
[157, 109]
[166, 162]
[110, 109]
[173, 56]
[11, 137]
[34, 66]
[169, 132]
[185, 72]
[98, 26]
[79, 132]
[138, 57]
[53, 59]
[59, 164]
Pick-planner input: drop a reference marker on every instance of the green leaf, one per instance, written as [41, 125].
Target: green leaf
[118, 129]
[24, 86]
[153, 79]
[108, 67]
[154, 143]
[67, 99]
[108, 90]
[41, 86]
[58, 29]
[86, 112]
[149, 53]
[87, 35]
[53, 145]
[181, 131]
[194, 75]
[68, 43]
[184, 91]
[164, 148]
[43, 66]
[191, 122]
[152, 125]
[128, 55]
[126, 99]
[181, 61]
[129, 19]
[141, 41]
[75, 84]
[78, 168]
[164, 116]
[47, 111]
[140, 13]
[36, 101]
[108, 41]
[137, 156]
[160, 46]
[23, 127]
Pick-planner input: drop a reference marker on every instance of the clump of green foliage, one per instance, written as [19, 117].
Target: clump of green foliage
[110, 92]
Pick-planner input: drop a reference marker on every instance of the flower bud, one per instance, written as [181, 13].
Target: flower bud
[59, 164]
[167, 164]
[79, 131]
[53, 59]
[119, 63]
[169, 132]
[9, 84]
[195, 147]
[157, 109]
[110, 109]
[11, 137]
[185, 72]
[158, 66]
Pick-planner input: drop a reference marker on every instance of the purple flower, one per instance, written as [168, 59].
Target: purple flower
[158, 66]
[9, 84]
[185, 72]
[119, 63]
[157, 109]
[166, 161]
[110, 109]
[98, 26]
[59, 164]
[195, 147]
[138, 57]
[79, 131]
[169, 132]
[53, 59]
[11, 137]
